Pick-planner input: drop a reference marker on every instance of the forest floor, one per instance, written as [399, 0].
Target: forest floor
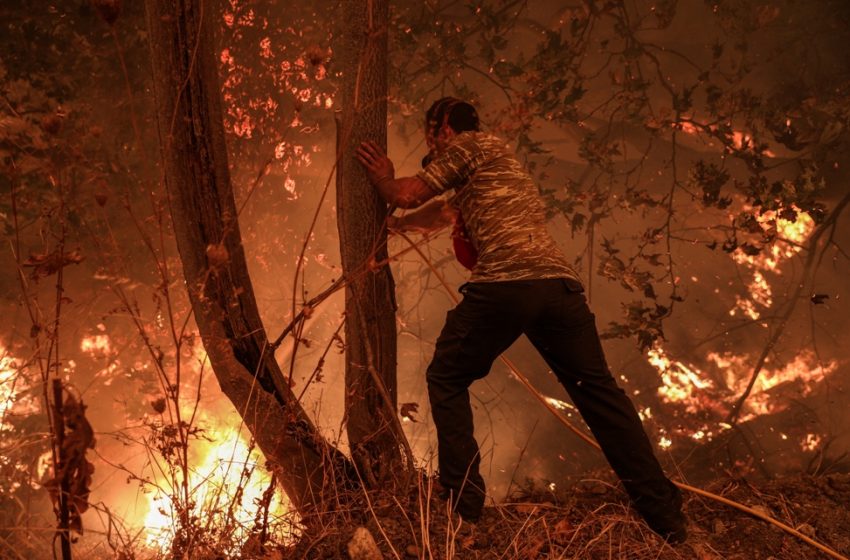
[592, 520]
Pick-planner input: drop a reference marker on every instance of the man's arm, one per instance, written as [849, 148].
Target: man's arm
[405, 192]
[431, 217]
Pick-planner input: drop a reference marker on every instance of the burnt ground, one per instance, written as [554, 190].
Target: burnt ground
[592, 520]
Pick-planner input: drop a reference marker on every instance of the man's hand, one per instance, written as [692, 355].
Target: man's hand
[429, 218]
[374, 159]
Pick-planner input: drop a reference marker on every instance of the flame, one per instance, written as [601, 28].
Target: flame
[740, 140]
[688, 385]
[96, 345]
[14, 402]
[9, 388]
[227, 478]
[13, 390]
[560, 405]
[794, 234]
[680, 382]
[811, 442]
[760, 293]
[804, 370]
[226, 473]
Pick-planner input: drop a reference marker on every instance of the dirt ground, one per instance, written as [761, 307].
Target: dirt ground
[592, 520]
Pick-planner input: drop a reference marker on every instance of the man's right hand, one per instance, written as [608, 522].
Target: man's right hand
[378, 166]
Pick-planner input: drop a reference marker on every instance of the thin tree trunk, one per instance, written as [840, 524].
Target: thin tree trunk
[195, 171]
[374, 431]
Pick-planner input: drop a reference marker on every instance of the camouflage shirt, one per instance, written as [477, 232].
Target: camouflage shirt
[501, 206]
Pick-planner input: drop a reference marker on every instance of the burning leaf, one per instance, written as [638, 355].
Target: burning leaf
[158, 405]
[49, 264]
[819, 299]
[408, 410]
[749, 249]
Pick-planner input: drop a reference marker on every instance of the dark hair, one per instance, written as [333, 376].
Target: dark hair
[458, 114]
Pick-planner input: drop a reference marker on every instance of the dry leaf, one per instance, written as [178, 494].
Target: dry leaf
[408, 409]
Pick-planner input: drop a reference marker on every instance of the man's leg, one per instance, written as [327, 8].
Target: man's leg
[480, 328]
[565, 335]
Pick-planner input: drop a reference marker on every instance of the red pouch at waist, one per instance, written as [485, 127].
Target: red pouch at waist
[465, 252]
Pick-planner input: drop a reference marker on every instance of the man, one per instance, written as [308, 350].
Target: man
[520, 284]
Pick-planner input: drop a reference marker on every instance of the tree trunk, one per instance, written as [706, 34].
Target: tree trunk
[195, 170]
[374, 431]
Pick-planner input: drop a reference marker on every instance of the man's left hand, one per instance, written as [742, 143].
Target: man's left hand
[374, 159]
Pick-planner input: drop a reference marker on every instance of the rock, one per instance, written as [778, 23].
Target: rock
[362, 546]
[718, 526]
[412, 551]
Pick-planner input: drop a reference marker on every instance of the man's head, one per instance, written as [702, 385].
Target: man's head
[447, 117]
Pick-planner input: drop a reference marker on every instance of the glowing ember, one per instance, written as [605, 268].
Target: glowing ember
[96, 345]
[811, 442]
[560, 405]
[740, 140]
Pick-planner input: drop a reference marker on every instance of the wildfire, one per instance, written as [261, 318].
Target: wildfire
[688, 385]
[13, 387]
[811, 442]
[14, 402]
[96, 345]
[725, 375]
[681, 383]
[804, 370]
[8, 390]
[791, 236]
[227, 482]
[740, 140]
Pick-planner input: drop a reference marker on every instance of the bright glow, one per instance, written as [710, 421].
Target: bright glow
[811, 442]
[96, 345]
[680, 383]
[11, 383]
[225, 470]
[560, 405]
[790, 238]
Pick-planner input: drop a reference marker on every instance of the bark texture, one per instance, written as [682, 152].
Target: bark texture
[374, 431]
[195, 170]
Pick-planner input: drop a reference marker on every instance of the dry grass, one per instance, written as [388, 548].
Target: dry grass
[592, 520]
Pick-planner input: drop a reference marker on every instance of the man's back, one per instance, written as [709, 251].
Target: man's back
[501, 208]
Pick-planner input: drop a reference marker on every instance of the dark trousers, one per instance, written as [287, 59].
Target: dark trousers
[554, 315]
